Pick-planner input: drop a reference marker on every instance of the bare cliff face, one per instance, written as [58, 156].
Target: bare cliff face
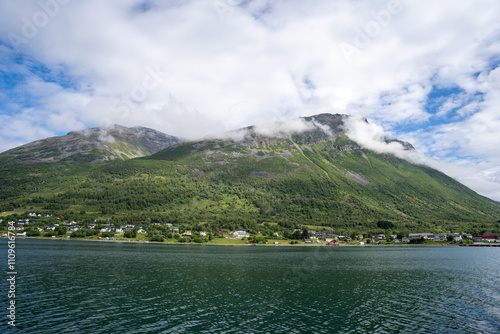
[92, 145]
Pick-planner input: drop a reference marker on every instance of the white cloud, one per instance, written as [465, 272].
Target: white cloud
[230, 65]
[373, 137]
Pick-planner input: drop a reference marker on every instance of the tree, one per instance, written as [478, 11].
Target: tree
[131, 234]
[60, 230]
[384, 224]
[305, 233]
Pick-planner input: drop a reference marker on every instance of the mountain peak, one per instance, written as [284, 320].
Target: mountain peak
[93, 145]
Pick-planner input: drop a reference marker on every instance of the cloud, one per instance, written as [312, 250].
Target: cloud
[373, 137]
[282, 128]
[226, 64]
[481, 175]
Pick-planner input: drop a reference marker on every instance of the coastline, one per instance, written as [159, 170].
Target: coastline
[246, 245]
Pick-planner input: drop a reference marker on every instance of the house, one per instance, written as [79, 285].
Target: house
[141, 230]
[59, 217]
[23, 221]
[104, 230]
[32, 214]
[405, 239]
[51, 228]
[332, 242]
[203, 233]
[307, 241]
[239, 234]
[276, 234]
[457, 238]
[21, 234]
[429, 236]
[169, 224]
[188, 232]
[119, 230]
[39, 229]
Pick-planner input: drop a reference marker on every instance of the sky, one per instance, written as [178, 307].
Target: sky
[427, 72]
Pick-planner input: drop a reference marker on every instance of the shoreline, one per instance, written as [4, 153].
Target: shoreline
[233, 244]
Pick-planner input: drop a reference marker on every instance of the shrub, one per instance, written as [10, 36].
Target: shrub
[130, 234]
[32, 233]
[158, 238]
[108, 234]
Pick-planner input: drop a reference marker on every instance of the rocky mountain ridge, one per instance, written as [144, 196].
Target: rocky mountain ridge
[92, 145]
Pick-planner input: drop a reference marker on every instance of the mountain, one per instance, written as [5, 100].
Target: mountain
[304, 171]
[92, 145]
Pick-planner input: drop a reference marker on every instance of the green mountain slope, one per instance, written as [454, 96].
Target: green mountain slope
[314, 177]
[92, 145]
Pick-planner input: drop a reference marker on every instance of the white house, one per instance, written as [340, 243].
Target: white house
[239, 234]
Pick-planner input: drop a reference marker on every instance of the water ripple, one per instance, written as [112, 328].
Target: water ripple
[78, 287]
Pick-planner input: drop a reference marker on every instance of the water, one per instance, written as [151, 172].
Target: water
[98, 287]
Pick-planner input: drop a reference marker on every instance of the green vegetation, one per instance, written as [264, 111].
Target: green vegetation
[299, 181]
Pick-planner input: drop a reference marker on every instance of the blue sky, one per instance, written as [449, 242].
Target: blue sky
[423, 71]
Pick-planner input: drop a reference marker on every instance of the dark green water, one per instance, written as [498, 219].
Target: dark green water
[97, 287]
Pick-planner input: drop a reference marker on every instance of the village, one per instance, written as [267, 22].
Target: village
[43, 225]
